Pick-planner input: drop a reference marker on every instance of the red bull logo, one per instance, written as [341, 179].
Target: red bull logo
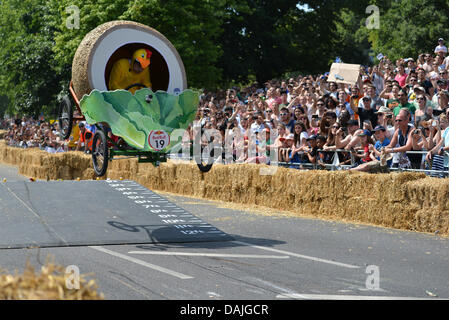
[158, 139]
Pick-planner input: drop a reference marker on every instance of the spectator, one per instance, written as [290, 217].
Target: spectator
[402, 138]
[366, 146]
[343, 105]
[366, 113]
[259, 123]
[286, 119]
[85, 140]
[421, 113]
[299, 143]
[440, 47]
[385, 119]
[351, 128]
[401, 76]
[382, 141]
[286, 148]
[330, 142]
[376, 101]
[312, 150]
[326, 123]
[403, 103]
[442, 146]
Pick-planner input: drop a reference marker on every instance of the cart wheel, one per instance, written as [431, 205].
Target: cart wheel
[100, 153]
[65, 118]
[204, 164]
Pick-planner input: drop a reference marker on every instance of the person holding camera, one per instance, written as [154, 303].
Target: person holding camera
[350, 131]
[419, 143]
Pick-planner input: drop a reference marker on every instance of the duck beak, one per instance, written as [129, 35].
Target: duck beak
[144, 62]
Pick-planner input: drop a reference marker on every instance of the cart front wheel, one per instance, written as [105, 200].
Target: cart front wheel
[100, 153]
[65, 118]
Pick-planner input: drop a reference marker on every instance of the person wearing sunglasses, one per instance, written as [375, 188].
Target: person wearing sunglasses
[286, 119]
[421, 113]
[402, 140]
[427, 66]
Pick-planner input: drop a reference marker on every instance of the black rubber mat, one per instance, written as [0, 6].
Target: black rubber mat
[70, 213]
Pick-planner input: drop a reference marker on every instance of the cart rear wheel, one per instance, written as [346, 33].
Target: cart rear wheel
[100, 153]
[65, 117]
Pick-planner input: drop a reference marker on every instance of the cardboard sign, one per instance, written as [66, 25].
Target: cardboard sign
[344, 73]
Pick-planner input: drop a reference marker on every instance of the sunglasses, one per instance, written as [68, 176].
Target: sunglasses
[398, 120]
[421, 99]
[269, 111]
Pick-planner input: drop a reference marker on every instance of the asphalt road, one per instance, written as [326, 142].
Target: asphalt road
[271, 257]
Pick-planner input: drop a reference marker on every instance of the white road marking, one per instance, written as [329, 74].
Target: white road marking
[199, 254]
[340, 264]
[342, 297]
[142, 263]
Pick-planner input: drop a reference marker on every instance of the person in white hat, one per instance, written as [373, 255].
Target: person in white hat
[441, 47]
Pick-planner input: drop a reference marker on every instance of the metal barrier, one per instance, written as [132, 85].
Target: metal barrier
[336, 166]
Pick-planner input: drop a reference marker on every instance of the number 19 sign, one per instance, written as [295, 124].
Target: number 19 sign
[158, 139]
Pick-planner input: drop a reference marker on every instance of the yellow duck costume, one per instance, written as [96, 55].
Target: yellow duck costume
[123, 74]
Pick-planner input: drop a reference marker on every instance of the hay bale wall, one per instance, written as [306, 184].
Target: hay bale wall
[409, 201]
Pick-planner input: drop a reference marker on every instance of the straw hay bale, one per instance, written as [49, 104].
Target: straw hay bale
[49, 284]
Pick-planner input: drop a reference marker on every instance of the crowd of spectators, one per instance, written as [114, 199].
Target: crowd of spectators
[27, 132]
[394, 108]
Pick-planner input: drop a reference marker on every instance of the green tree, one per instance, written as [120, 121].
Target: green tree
[26, 56]
[257, 39]
[408, 28]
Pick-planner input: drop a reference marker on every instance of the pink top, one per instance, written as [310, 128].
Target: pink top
[401, 79]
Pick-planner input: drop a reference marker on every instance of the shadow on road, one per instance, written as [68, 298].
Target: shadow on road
[160, 238]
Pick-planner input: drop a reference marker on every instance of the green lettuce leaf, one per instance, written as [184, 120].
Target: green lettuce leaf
[95, 109]
[133, 117]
